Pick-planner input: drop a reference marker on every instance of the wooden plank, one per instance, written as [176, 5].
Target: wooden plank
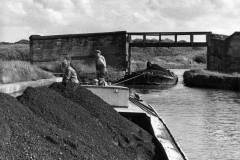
[195, 44]
[168, 33]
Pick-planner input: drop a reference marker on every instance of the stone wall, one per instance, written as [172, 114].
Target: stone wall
[224, 53]
[49, 51]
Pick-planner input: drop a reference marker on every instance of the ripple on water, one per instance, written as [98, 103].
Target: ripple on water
[205, 122]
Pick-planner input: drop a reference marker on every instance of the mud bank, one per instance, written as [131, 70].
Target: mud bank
[209, 79]
[43, 124]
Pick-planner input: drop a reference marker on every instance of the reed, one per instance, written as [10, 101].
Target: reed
[14, 52]
[17, 71]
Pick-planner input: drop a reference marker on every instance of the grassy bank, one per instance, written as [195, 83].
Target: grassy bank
[14, 66]
[17, 71]
[14, 51]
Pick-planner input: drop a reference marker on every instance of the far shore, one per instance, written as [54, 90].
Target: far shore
[212, 79]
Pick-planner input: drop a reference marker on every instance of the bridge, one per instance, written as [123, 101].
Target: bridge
[161, 39]
[48, 51]
[158, 41]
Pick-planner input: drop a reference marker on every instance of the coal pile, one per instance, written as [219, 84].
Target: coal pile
[92, 140]
[67, 124]
[136, 142]
[24, 136]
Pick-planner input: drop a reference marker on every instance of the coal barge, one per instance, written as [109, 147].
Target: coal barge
[127, 105]
[153, 76]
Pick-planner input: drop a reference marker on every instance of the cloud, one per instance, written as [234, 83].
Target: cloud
[22, 18]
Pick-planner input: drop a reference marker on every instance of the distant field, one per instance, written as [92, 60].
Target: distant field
[177, 58]
[17, 71]
[14, 66]
[14, 51]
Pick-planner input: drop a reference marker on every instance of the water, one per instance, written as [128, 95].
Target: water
[204, 122]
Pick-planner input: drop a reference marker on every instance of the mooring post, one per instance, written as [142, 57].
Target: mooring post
[175, 36]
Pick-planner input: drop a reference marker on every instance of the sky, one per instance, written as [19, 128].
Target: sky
[21, 18]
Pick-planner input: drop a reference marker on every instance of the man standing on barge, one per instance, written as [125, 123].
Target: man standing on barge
[101, 68]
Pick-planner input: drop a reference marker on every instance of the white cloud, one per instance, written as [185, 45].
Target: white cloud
[55, 17]
[21, 18]
[140, 18]
[15, 8]
[86, 5]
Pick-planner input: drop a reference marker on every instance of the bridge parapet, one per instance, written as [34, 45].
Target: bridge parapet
[160, 42]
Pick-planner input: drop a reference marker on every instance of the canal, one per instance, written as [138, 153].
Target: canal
[204, 122]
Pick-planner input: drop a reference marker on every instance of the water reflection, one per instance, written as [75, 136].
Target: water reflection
[150, 88]
[226, 96]
[205, 122]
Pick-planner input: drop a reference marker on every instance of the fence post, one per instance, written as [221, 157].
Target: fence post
[175, 36]
[191, 39]
[160, 38]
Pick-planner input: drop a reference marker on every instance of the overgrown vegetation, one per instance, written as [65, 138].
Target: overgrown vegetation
[200, 58]
[17, 71]
[14, 65]
[14, 51]
[176, 57]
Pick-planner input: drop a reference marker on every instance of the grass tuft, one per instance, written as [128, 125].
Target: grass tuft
[17, 71]
[14, 52]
